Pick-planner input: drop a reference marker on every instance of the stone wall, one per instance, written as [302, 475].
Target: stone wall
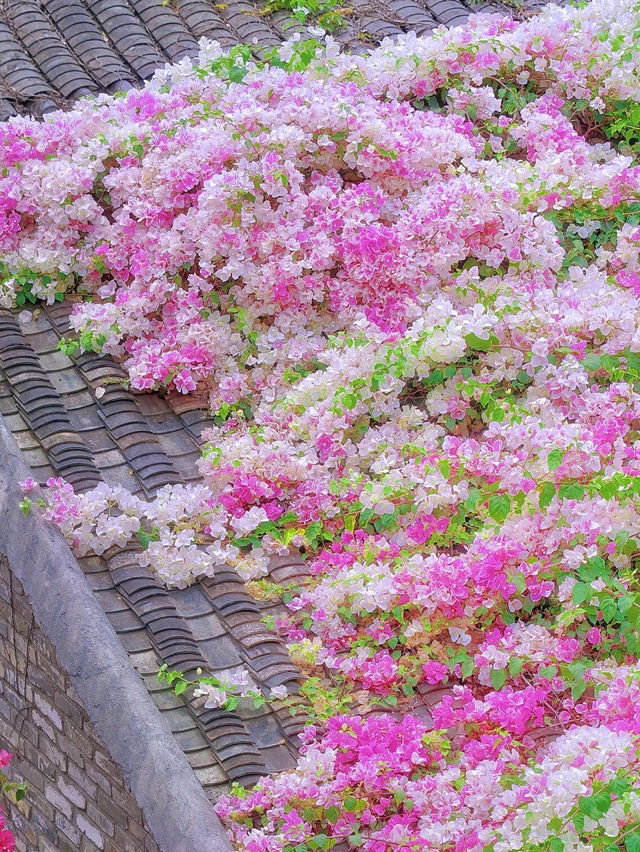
[77, 800]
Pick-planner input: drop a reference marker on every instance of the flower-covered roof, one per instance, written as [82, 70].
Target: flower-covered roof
[55, 51]
[51, 53]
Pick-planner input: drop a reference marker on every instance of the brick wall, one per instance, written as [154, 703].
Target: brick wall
[77, 800]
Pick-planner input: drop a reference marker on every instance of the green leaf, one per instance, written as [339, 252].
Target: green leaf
[237, 74]
[466, 668]
[520, 582]
[609, 607]
[332, 814]
[478, 343]
[499, 507]
[588, 808]
[554, 459]
[601, 802]
[581, 592]
[622, 537]
[473, 498]
[596, 805]
[349, 400]
[577, 689]
[145, 538]
[350, 804]
[598, 564]
[547, 492]
[365, 516]
[498, 678]
[556, 844]
[515, 666]
[398, 613]
[571, 491]
[619, 786]
[591, 361]
[632, 842]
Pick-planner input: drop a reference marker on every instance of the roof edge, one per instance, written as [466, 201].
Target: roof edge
[175, 807]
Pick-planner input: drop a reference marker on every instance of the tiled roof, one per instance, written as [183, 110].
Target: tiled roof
[47, 401]
[54, 51]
